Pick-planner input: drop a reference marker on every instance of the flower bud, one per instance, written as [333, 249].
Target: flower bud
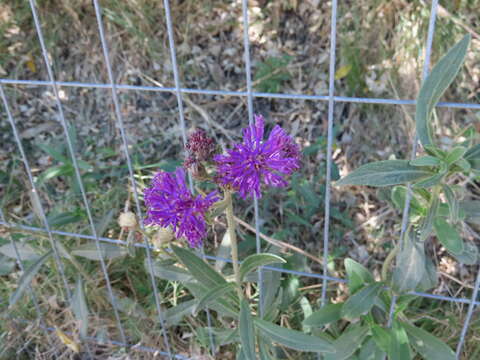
[127, 220]
[162, 236]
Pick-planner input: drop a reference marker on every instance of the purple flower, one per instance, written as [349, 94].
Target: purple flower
[170, 203]
[258, 161]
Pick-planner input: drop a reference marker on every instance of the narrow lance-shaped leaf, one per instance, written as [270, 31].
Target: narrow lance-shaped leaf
[348, 343]
[247, 332]
[79, 307]
[361, 302]
[358, 275]
[214, 294]
[410, 266]
[293, 339]
[385, 173]
[27, 277]
[435, 85]
[428, 345]
[327, 314]
[256, 260]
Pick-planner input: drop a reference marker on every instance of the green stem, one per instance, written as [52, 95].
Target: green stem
[233, 240]
[388, 261]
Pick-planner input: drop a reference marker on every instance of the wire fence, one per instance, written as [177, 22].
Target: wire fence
[178, 90]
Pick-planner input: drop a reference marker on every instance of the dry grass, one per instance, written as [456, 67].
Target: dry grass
[381, 41]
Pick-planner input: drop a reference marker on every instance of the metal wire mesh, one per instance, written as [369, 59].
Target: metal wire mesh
[178, 90]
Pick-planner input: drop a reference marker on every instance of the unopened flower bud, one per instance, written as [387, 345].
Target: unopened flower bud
[162, 236]
[127, 220]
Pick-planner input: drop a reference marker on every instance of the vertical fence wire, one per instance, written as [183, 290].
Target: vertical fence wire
[31, 291]
[181, 115]
[408, 198]
[248, 77]
[41, 210]
[119, 118]
[328, 178]
[76, 168]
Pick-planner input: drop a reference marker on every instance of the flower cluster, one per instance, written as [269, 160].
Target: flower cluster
[171, 204]
[244, 168]
[255, 161]
[200, 148]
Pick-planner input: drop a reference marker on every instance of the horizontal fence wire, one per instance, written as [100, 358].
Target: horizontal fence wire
[249, 94]
[345, 99]
[213, 257]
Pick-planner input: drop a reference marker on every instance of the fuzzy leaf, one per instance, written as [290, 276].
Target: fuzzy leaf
[358, 275]
[429, 346]
[107, 251]
[27, 277]
[448, 236]
[293, 339]
[435, 85]
[80, 308]
[361, 302]
[410, 267]
[257, 260]
[247, 332]
[348, 343]
[327, 314]
[385, 173]
[214, 294]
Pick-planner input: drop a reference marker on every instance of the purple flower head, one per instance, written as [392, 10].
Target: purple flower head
[257, 161]
[200, 148]
[170, 203]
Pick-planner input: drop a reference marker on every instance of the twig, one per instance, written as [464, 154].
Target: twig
[279, 243]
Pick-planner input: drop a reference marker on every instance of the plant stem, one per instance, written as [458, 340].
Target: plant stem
[388, 261]
[233, 240]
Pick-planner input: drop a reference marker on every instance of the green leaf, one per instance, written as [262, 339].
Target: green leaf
[361, 302]
[220, 336]
[455, 154]
[410, 265]
[107, 251]
[399, 194]
[464, 165]
[257, 260]
[384, 173]
[327, 314]
[471, 208]
[6, 265]
[80, 308]
[348, 343]
[452, 203]
[198, 268]
[27, 277]
[473, 153]
[399, 348]
[168, 272]
[435, 85]
[426, 160]
[26, 252]
[435, 151]
[448, 236]
[221, 306]
[381, 336]
[214, 294]
[293, 339]
[429, 346]
[430, 181]
[430, 277]
[357, 274]
[370, 351]
[175, 314]
[247, 332]
[469, 256]
[54, 171]
[427, 225]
